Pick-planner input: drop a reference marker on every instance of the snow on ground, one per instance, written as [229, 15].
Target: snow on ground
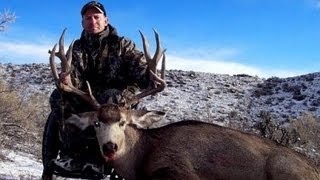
[203, 96]
[215, 98]
[19, 165]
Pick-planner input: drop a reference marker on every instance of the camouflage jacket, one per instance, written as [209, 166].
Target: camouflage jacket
[108, 61]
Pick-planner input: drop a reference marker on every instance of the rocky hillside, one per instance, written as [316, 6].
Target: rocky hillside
[208, 97]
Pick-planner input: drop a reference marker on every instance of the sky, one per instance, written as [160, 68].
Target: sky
[264, 38]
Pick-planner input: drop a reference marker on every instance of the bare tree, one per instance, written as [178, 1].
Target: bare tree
[6, 18]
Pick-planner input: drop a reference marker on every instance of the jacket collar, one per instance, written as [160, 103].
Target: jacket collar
[93, 40]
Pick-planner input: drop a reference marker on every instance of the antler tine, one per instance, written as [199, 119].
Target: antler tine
[63, 81]
[162, 84]
[61, 44]
[92, 99]
[53, 64]
[65, 60]
[69, 55]
[160, 87]
[163, 65]
[152, 64]
[158, 52]
[145, 44]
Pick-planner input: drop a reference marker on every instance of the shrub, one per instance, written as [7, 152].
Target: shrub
[22, 120]
[301, 134]
[308, 127]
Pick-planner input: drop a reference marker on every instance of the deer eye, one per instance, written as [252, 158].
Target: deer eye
[96, 123]
[121, 123]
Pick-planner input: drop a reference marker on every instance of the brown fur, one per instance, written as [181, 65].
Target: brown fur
[196, 150]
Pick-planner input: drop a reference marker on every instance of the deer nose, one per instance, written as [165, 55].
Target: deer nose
[109, 148]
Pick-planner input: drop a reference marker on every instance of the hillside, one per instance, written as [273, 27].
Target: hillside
[203, 96]
[239, 101]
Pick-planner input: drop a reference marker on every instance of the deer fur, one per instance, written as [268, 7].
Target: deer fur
[188, 149]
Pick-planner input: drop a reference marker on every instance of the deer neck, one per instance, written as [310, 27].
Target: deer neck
[132, 155]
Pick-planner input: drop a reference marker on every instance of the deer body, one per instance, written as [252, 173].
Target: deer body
[198, 150]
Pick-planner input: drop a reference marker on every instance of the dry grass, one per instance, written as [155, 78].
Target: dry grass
[301, 134]
[22, 120]
[308, 128]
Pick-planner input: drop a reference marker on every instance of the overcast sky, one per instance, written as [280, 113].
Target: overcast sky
[257, 37]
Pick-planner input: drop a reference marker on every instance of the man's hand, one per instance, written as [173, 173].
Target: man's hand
[65, 78]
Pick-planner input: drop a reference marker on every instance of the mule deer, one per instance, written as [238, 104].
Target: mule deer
[182, 150]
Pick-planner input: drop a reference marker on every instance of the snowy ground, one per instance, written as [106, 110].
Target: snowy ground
[215, 98]
[19, 165]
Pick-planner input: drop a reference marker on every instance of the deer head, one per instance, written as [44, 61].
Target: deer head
[104, 115]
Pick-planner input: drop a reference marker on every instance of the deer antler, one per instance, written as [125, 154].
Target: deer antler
[63, 80]
[64, 83]
[152, 66]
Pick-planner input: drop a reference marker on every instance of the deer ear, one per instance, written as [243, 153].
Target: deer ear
[83, 120]
[144, 119]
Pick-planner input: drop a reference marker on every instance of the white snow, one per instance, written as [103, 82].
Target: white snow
[19, 165]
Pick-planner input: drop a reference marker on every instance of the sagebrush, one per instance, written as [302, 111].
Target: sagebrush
[22, 119]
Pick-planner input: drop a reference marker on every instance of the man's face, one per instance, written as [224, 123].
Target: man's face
[93, 21]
